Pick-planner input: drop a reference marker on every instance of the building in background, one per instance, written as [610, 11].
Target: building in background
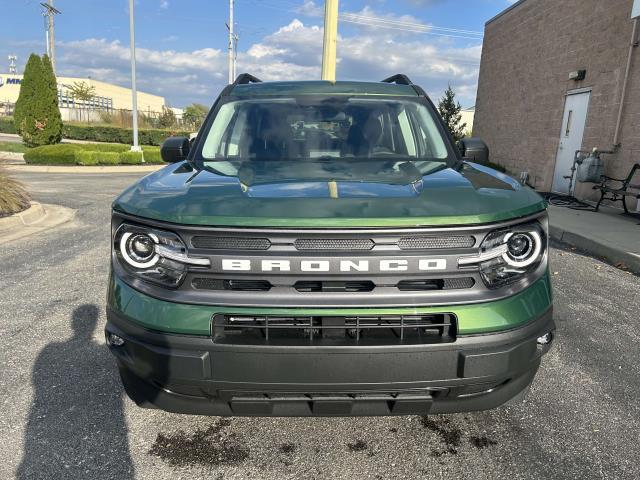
[466, 118]
[551, 80]
[107, 97]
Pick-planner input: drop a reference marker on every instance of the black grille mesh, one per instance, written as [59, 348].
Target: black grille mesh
[458, 283]
[426, 243]
[333, 244]
[231, 243]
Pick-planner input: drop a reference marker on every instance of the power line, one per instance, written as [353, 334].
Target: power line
[380, 22]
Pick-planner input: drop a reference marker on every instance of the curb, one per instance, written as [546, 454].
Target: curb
[31, 215]
[83, 169]
[597, 249]
[35, 219]
[9, 158]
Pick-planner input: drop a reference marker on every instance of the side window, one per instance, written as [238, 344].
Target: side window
[407, 133]
[429, 141]
[214, 144]
[238, 130]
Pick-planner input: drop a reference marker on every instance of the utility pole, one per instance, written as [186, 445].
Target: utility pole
[134, 93]
[48, 12]
[330, 40]
[233, 44]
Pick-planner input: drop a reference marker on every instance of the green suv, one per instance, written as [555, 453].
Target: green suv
[327, 249]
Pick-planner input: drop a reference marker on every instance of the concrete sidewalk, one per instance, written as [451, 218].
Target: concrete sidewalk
[606, 233]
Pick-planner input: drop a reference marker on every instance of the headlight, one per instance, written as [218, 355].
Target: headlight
[152, 255]
[507, 256]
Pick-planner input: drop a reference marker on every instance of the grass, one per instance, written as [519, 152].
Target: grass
[13, 147]
[13, 196]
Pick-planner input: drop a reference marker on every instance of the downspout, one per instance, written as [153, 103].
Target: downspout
[633, 44]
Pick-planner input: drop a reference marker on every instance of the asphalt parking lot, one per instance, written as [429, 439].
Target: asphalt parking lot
[64, 414]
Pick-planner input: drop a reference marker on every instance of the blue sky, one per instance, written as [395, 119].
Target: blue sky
[182, 43]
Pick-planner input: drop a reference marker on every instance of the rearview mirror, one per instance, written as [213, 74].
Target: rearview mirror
[474, 150]
[175, 149]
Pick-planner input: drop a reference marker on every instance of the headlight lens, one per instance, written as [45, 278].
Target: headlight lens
[507, 256]
[156, 256]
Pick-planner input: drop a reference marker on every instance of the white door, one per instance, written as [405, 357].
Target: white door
[573, 122]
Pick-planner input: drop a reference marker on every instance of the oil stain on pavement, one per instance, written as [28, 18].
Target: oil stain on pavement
[451, 436]
[215, 445]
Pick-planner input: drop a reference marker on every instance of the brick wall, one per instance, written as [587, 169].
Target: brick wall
[527, 56]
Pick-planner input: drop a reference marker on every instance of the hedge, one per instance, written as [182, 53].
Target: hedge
[152, 155]
[61, 154]
[103, 133]
[91, 154]
[6, 125]
[131, 158]
[116, 134]
[84, 157]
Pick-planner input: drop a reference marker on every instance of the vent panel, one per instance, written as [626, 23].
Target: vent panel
[429, 243]
[202, 283]
[230, 243]
[333, 244]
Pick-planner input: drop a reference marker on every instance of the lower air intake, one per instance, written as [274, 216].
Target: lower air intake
[334, 330]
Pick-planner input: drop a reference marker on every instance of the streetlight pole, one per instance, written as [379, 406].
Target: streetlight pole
[232, 40]
[330, 40]
[134, 93]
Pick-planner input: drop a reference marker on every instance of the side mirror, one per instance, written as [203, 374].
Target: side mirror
[474, 150]
[175, 149]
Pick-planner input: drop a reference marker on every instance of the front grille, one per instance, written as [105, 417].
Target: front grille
[427, 243]
[338, 330]
[202, 283]
[333, 244]
[230, 243]
[326, 286]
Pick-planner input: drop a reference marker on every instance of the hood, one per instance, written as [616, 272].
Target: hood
[317, 194]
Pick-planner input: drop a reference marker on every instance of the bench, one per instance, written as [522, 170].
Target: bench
[626, 189]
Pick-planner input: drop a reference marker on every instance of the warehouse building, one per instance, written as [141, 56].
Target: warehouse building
[106, 96]
[557, 77]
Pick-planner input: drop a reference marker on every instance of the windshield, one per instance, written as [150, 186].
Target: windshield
[311, 128]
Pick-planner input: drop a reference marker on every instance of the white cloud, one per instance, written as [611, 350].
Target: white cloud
[164, 4]
[292, 52]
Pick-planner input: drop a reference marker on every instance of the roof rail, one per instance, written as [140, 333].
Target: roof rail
[400, 79]
[245, 78]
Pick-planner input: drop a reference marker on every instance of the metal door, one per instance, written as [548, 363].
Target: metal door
[573, 123]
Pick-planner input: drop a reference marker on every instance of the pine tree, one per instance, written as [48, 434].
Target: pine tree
[32, 72]
[450, 111]
[37, 114]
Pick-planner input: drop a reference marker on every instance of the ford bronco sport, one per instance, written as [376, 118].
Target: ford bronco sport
[327, 249]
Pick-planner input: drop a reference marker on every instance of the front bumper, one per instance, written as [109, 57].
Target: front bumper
[190, 374]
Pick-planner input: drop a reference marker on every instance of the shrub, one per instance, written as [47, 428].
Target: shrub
[104, 147]
[152, 155]
[90, 154]
[131, 158]
[84, 157]
[108, 158]
[37, 116]
[63, 154]
[13, 197]
[102, 133]
[7, 125]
